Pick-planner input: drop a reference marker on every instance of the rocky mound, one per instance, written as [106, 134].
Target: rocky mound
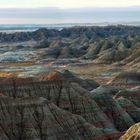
[68, 111]
[37, 118]
[65, 95]
[133, 95]
[104, 44]
[126, 79]
[54, 75]
[71, 77]
[134, 58]
[112, 55]
[130, 108]
[106, 89]
[113, 110]
[74, 32]
[133, 133]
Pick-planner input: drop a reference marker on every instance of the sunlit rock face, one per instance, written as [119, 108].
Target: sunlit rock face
[133, 133]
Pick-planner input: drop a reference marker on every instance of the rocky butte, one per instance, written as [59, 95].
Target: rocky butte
[78, 83]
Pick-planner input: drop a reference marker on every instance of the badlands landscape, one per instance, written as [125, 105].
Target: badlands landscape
[76, 83]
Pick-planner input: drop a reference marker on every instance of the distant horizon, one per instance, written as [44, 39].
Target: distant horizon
[64, 11]
[11, 28]
[76, 23]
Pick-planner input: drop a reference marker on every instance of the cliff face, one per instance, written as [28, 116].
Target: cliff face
[60, 109]
[38, 119]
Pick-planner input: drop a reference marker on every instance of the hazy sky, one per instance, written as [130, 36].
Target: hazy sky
[68, 3]
[65, 11]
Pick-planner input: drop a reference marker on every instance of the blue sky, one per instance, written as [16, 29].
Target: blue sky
[68, 11]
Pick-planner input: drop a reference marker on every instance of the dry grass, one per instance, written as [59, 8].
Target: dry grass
[6, 74]
[10, 74]
[26, 63]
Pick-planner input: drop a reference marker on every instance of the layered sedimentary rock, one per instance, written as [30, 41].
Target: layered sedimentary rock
[106, 89]
[71, 77]
[103, 44]
[126, 79]
[113, 110]
[131, 94]
[38, 119]
[130, 108]
[67, 96]
[59, 108]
